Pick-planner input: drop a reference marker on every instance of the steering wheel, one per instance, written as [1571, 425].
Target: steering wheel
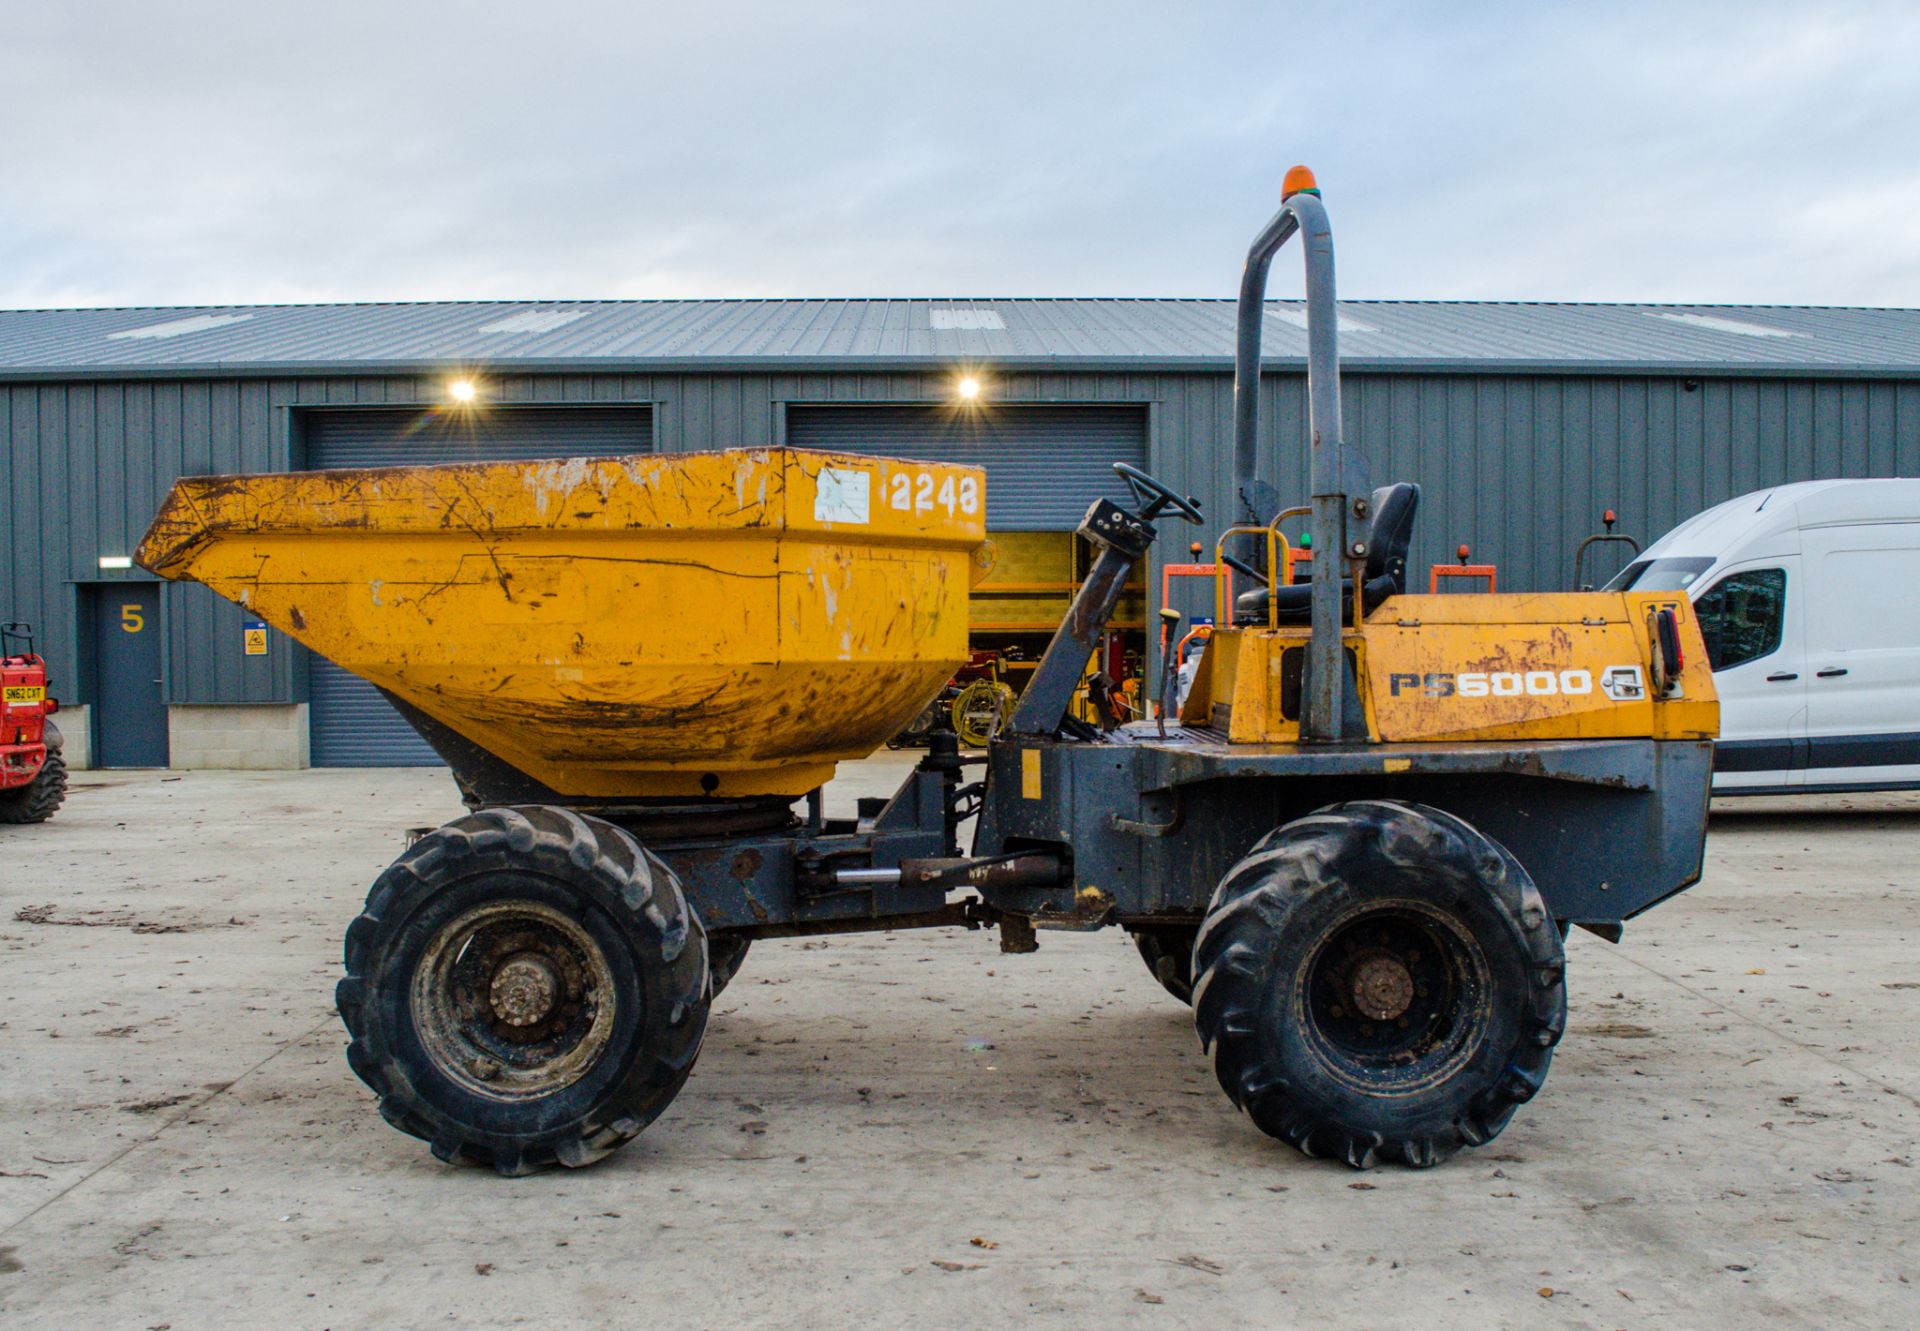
[1155, 497]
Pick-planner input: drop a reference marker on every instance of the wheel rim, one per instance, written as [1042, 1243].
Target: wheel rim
[1396, 998]
[513, 1000]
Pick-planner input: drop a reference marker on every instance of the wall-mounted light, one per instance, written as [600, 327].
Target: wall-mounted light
[461, 390]
[116, 561]
[968, 388]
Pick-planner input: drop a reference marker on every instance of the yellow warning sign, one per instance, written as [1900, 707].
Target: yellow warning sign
[254, 636]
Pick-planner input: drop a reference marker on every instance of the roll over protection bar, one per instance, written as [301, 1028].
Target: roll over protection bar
[1342, 517]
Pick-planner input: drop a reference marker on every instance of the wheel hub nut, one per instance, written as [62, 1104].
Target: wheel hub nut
[1382, 988]
[524, 990]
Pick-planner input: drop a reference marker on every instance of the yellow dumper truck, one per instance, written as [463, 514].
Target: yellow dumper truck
[1356, 848]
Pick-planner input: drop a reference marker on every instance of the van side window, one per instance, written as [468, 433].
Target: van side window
[1741, 616]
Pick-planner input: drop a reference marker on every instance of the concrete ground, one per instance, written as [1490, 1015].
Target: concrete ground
[916, 1130]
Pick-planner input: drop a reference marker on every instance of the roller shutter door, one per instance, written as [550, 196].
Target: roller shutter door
[407, 436]
[1044, 464]
[351, 724]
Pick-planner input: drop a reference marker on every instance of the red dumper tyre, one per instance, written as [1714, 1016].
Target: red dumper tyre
[1379, 980]
[526, 986]
[36, 801]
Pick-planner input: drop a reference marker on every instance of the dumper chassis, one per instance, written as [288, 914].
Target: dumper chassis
[1363, 896]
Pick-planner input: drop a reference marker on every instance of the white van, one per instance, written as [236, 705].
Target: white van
[1809, 599]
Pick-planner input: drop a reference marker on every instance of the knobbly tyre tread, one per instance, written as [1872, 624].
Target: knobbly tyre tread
[1235, 966]
[1168, 952]
[726, 953]
[36, 801]
[594, 859]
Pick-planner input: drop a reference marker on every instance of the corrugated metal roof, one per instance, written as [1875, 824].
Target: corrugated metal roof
[717, 334]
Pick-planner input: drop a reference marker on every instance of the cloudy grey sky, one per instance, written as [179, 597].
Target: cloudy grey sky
[184, 152]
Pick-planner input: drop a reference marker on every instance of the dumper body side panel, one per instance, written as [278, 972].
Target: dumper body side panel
[1551, 666]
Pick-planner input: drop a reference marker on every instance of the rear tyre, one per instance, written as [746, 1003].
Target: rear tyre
[725, 955]
[525, 987]
[1379, 980]
[36, 801]
[1168, 952]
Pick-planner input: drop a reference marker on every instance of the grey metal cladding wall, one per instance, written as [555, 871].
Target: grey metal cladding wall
[1045, 464]
[32, 555]
[1521, 467]
[392, 436]
[1518, 465]
[197, 429]
[86, 466]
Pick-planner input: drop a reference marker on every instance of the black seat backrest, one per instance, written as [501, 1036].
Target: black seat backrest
[1393, 509]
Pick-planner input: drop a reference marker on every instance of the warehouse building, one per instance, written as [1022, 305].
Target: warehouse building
[1522, 422]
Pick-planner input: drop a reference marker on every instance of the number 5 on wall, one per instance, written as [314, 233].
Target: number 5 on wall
[131, 620]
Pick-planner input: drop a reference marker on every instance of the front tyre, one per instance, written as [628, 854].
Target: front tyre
[36, 801]
[526, 986]
[1379, 980]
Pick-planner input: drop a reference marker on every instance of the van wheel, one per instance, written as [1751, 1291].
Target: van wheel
[1379, 980]
[525, 987]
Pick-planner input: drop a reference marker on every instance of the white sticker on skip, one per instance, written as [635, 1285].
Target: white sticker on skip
[842, 495]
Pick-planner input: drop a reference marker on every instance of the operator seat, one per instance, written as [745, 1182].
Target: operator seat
[1393, 509]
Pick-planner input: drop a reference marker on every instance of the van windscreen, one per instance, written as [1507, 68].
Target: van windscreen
[1659, 575]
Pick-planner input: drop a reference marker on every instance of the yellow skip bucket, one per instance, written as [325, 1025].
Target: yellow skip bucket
[727, 623]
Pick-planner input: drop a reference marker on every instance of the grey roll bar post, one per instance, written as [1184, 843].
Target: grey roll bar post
[1342, 514]
[1246, 366]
